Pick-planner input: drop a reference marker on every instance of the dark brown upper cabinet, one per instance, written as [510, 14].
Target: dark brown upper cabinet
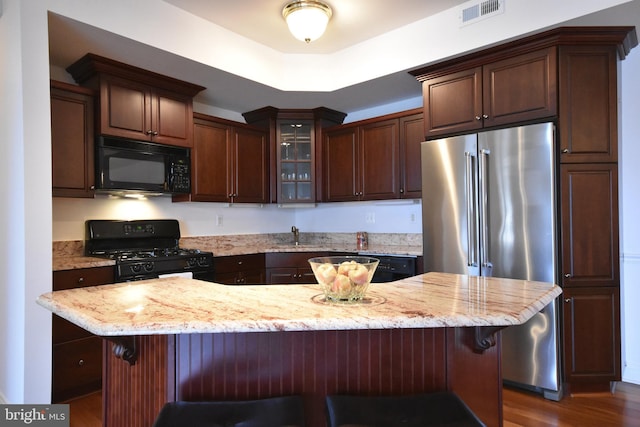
[374, 159]
[230, 162]
[295, 150]
[588, 104]
[136, 103]
[72, 141]
[511, 90]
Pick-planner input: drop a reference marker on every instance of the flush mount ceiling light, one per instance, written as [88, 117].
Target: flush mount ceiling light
[307, 20]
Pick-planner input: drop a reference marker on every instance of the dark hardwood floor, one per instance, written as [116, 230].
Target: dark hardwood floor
[521, 408]
[86, 411]
[621, 408]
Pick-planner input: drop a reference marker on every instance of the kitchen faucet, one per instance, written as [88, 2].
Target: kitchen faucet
[296, 235]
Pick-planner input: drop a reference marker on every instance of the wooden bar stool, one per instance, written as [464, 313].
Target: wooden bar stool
[269, 412]
[441, 409]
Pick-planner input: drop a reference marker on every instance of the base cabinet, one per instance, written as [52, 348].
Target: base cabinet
[77, 354]
[240, 269]
[290, 267]
[591, 337]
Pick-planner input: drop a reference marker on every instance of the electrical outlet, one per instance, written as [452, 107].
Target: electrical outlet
[219, 220]
[370, 218]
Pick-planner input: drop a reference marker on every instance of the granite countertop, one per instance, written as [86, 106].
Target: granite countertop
[68, 255]
[74, 262]
[178, 305]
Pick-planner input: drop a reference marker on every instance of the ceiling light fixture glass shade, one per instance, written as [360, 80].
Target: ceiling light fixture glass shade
[307, 20]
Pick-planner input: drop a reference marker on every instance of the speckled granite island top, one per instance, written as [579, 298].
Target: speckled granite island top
[178, 305]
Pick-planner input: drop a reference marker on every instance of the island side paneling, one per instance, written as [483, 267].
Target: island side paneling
[134, 394]
[253, 365]
[237, 366]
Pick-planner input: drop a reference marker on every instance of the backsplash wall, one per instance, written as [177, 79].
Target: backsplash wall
[210, 219]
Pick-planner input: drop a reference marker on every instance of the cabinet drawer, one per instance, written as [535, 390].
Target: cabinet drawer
[77, 368]
[282, 275]
[249, 277]
[63, 331]
[230, 264]
[82, 277]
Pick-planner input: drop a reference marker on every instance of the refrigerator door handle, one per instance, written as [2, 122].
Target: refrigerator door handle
[486, 267]
[470, 197]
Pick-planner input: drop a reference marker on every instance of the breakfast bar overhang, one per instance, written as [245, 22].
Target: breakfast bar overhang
[178, 339]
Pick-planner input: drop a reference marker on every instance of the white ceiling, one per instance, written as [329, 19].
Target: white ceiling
[262, 22]
[353, 21]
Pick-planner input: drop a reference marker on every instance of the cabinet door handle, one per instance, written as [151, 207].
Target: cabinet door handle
[567, 276]
[149, 132]
[484, 116]
[81, 280]
[80, 362]
[478, 118]
[567, 300]
[565, 150]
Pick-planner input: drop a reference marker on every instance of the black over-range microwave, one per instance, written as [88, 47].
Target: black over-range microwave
[127, 166]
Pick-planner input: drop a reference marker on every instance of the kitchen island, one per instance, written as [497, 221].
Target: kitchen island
[184, 339]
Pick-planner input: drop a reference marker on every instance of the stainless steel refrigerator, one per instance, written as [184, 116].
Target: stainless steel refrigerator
[488, 209]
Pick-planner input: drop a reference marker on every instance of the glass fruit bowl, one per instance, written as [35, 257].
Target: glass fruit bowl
[344, 278]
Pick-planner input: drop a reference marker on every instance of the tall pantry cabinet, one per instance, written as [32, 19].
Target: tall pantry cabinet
[570, 76]
[588, 144]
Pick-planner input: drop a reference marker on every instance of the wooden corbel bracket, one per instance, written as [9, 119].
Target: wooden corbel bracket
[124, 348]
[485, 337]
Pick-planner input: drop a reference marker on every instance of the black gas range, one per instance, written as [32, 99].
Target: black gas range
[145, 249]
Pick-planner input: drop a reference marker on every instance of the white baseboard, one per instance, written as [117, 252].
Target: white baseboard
[631, 374]
[630, 258]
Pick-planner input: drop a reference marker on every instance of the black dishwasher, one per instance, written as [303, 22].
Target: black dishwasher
[393, 268]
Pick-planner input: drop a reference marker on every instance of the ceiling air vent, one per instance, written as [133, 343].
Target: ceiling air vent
[475, 11]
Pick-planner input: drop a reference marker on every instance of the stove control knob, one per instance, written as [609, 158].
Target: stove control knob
[192, 262]
[136, 268]
[148, 266]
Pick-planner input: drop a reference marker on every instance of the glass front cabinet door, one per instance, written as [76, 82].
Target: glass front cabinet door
[295, 161]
